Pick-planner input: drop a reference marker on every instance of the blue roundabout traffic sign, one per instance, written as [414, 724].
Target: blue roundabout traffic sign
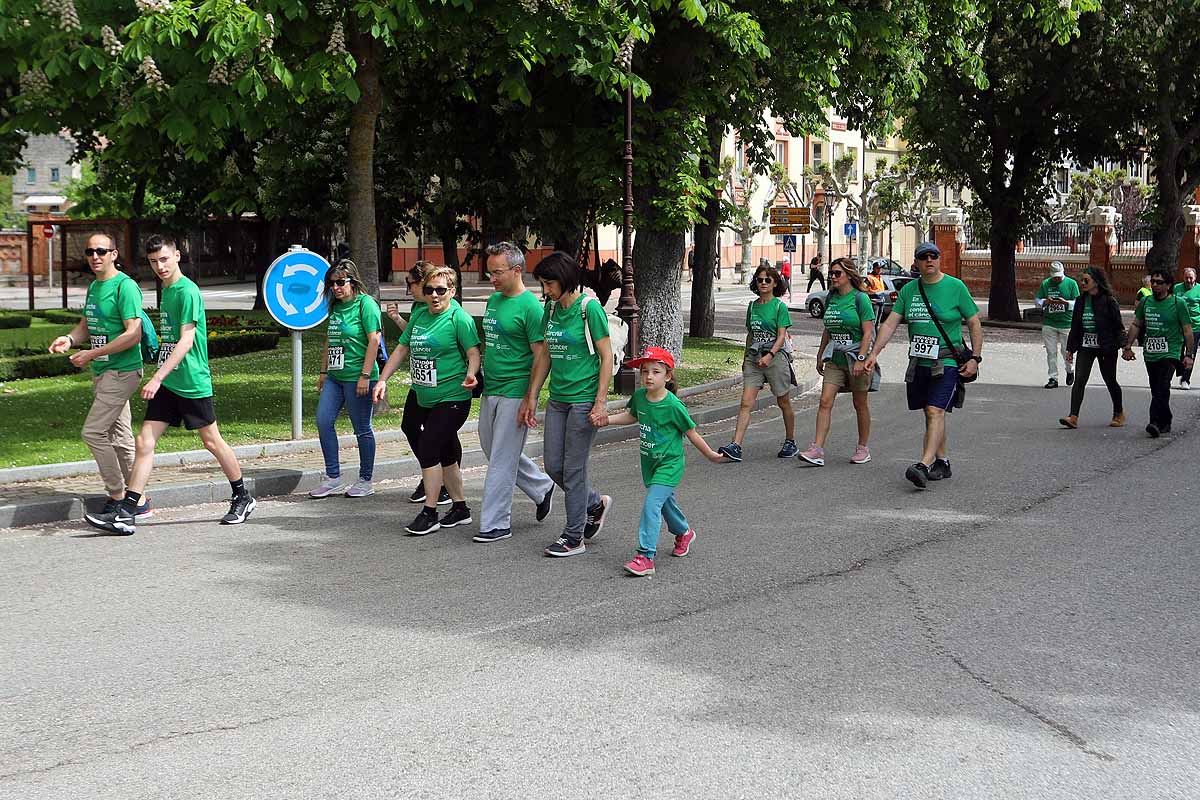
[294, 289]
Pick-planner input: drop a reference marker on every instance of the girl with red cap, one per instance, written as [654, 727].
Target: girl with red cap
[662, 420]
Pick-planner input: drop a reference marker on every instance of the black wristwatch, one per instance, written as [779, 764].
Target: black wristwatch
[366, 375]
[976, 359]
[859, 357]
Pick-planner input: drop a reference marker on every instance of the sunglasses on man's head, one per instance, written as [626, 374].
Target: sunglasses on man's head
[98, 251]
[438, 290]
[342, 281]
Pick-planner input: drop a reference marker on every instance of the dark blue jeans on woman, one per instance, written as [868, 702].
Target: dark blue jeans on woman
[334, 395]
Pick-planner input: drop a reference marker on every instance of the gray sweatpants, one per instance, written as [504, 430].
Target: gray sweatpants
[503, 442]
[565, 449]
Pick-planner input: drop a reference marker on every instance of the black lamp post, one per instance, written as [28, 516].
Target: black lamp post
[627, 306]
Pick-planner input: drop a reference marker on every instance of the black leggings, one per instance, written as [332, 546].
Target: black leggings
[814, 275]
[437, 442]
[1108, 370]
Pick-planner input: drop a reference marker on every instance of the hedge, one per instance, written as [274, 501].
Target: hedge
[8, 320]
[59, 316]
[49, 365]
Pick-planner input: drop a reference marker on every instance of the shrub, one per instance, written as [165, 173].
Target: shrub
[9, 320]
[234, 343]
[59, 316]
[45, 365]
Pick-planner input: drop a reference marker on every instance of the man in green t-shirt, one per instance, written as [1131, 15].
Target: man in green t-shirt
[1189, 292]
[513, 336]
[934, 304]
[1168, 342]
[111, 323]
[179, 392]
[1056, 297]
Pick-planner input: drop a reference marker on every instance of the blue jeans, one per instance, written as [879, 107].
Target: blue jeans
[334, 395]
[660, 503]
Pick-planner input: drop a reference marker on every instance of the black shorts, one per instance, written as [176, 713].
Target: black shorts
[168, 407]
[927, 391]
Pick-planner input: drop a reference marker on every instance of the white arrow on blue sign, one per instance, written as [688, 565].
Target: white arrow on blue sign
[851, 229]
[294, 288]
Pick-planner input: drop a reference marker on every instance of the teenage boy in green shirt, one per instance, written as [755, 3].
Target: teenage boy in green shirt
[111, 323]
[179, 392]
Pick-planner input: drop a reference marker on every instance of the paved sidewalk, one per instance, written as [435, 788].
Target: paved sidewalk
[59, 499]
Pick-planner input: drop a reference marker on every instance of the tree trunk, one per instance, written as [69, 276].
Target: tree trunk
[1002, 297]
[747, 234]
[1168, 230]
[268, 245]
[703, 320]
[658, 258]
[360, 154]
[447, 230]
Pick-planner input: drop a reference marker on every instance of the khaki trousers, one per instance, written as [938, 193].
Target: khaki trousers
[107, 430]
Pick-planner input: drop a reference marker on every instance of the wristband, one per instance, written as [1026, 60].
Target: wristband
[367, 376]
[323, 372]
[71, 339]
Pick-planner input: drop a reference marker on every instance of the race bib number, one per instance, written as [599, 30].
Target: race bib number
[763, 336]
[424, 372]
[1156, 344]
[337, 357]
[841, 338]
[924, 347]
[98, 342]
[1057, 306]
[1091, 340]
[164, 352]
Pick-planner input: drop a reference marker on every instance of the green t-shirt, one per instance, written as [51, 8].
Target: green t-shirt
[661, 427]
[510, 326]
[1164, 320]
[349, 325]
[109, 303]
[1060, 301]
[843, 318]
[1089, 316]
[181, 304]
[574, 372]
[438, 345]
[763, 320]
[1191, 298]
[951, 302]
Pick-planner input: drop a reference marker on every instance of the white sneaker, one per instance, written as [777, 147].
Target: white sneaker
[1185, 385]
[327, 487]
[360, 488]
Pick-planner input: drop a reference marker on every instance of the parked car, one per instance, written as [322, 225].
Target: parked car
[883, 301]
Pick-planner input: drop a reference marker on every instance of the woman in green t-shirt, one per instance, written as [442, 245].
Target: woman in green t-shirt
[768, 361]
[348, 376]
[845, 343]
[442, 346]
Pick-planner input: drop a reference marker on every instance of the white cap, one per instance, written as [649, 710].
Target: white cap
[1057, 269]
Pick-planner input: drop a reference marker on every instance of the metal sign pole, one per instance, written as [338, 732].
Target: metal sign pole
[297, 384]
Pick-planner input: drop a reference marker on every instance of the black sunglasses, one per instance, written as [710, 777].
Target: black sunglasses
[438, 290]
[927, 256]
[765, 279]
[342, 281]
[836, 273]
[1157, 282]
[98, 251]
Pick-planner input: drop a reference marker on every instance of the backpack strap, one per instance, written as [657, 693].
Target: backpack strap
[587, 331]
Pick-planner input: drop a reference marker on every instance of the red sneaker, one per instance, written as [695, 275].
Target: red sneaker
[683, 544]
[640, 566]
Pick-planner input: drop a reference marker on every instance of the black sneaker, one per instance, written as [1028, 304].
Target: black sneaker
[732, 451]
[595, 517]
[563, 547]
[143, 511]
[1070, 378]
[543, 508]
[789, 449]
[1153, 430]
[418, 495]
[457, 515]
[425, 523]
[1051, 384]
[493, 535]
[940, 470]
[119, 521]
[240, 509]
[1164, 428]
[918, 475]
[444, 497]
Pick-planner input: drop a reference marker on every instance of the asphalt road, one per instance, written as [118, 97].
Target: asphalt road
[1029, 628]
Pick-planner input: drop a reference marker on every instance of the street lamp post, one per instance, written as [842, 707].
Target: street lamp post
[627, 306]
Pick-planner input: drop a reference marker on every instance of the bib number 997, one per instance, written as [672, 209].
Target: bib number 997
[924, 347]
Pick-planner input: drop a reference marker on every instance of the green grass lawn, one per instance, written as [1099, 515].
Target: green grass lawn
[40, 419]
[38, 335]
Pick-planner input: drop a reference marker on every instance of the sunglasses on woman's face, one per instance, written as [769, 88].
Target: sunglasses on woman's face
[438, 290]
[836, 273]
[765, 280]
[342, 282]
[98, 251]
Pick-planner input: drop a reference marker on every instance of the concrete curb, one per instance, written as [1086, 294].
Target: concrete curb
[274, 482]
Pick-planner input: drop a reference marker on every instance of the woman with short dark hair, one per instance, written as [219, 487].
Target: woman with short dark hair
[1097, 335]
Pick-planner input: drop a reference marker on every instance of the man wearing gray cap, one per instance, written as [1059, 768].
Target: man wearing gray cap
[1056, 298]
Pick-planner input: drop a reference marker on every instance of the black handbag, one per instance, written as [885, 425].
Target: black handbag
[961, 354]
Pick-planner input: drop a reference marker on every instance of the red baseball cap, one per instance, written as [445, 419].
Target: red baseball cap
[653, 354]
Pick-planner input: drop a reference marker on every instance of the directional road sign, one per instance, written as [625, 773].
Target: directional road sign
[789, 243]
[790, 215]
[851, 229]
[792, 229]
[294, 288]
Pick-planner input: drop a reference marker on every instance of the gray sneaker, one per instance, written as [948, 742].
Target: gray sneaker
[360, 488]
[327, 487]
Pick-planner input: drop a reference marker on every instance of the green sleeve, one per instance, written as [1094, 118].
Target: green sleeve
[464, 330]
[903, 297]
[535, 323]
[372, 320]
[191, 308]
[129, 299]
[547, 310]
[783, 319]
[866, 309]
[966, 303]
[1181, 312]
[597, 320]
[406, 334]
[1041, 292]
[1139, 313]
[632, 406]
[1074, 289]
[683, 420]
